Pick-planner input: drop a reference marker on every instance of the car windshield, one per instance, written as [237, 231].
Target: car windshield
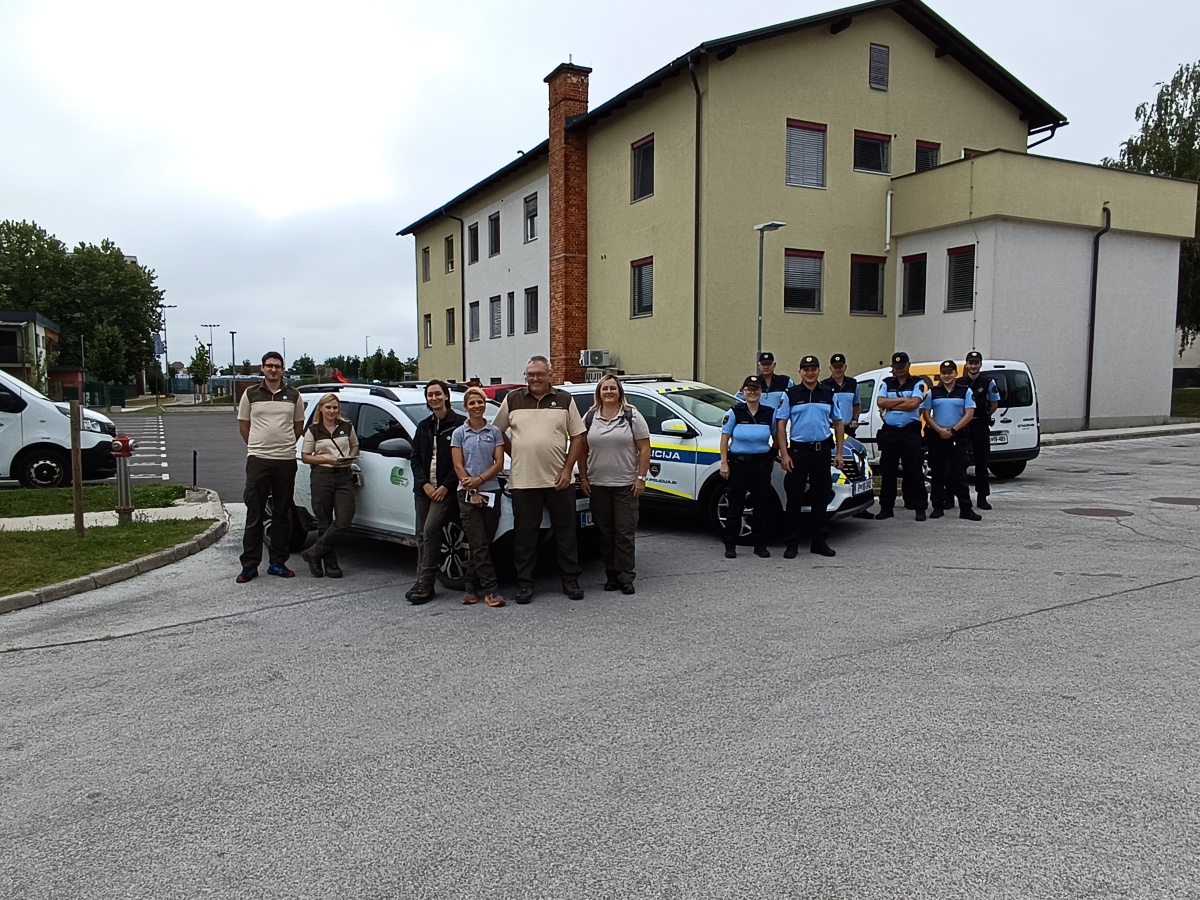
[707, 404]
[420, 411]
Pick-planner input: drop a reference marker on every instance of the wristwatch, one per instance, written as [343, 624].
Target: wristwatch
[641, 478]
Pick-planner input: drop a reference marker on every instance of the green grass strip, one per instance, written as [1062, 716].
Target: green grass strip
[96, 498]
[1185, 402]
[30, 559]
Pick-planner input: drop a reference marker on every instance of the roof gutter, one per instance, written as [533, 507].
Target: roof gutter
[462, 288]
[1053, 129]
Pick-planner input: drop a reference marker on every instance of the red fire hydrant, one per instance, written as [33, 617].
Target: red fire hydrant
[123, 447]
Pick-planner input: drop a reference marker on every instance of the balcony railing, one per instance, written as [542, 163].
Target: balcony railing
[10, 355]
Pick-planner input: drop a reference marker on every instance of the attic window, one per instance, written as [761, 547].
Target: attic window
[878, 69]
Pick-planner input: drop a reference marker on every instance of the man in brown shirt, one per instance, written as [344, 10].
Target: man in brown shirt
[545, 437]
[271, 418]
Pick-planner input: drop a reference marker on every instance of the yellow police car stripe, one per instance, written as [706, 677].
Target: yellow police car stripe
[655, 487]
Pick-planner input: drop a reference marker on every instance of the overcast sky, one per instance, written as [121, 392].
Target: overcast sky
[260, 156]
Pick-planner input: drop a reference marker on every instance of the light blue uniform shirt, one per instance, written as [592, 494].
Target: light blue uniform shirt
[811, 412]
[892, 389]
[749, 433]
[950, 406]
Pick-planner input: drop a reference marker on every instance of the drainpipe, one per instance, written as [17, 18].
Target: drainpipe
[463, 324]
[696, 231]
[1091, 346]
[887, 224]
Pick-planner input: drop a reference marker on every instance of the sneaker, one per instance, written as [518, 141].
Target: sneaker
[762, 551]
[822, 549]
[920, 515]
[790, 551]
[494, 599]
[970, 514]
[884, 514]
[628, 588]
[524, 595]
[937, 513]
[279, 570]
[248, 574]
[314, 564]
[730, 551]
[573, 590]
[332, 569]
[982, 503]
[470, 598]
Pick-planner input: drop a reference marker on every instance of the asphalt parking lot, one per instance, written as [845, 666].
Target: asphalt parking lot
[1004, 709]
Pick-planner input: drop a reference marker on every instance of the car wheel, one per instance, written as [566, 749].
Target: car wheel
[44, 468]
[1007, 469]
[718, 510]
[453, 556]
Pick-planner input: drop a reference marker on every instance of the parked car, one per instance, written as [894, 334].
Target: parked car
[1015, 434]
[35, 438]
[685, 420]
[386, 419]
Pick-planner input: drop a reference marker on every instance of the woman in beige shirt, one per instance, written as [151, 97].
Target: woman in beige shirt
[330, 447]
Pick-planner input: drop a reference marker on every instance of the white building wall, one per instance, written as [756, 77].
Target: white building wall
[1031, 303]
[520, 265]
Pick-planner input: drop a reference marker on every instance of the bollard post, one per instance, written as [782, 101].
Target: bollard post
[123, 447]
[194, 455]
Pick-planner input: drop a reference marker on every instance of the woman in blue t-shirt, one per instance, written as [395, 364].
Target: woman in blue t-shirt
[747, 458]
[477, 448]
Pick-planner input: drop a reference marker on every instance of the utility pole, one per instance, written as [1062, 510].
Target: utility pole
[211, 362]
[233, 355]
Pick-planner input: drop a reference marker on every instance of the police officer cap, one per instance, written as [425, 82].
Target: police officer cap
[838, 359]
[810, 360]
[766, 357]
[899, 358]
[753, 381]
[975, 356]
[949, 365]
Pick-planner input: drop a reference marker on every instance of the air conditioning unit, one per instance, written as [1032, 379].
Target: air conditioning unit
[595, 358]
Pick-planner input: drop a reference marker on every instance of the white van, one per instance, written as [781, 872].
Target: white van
[1016, 435]
[35, 439]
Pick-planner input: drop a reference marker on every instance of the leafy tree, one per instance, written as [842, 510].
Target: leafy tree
[1168, 143]
[201, 366]
[246, 365]
[304, 365]
[106, 362]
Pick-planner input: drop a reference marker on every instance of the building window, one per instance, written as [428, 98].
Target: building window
[449, 326]
[494, 234]
[428, 329]
[531, 310]
[642, 291]
[449, 255]
[805, 154]
[531, 218]
[643, 168]
[512, 313]
[927, 155]
[913, 300]
[866, 285]
[473, 244]
[960, 278]
[878, 67]
[496, 379]
[425, 264]
[494, 318]
[872, 152]
[473, 321]
[802, 280]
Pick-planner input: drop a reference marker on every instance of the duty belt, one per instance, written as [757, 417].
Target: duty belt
[750, 457]
[815, 446]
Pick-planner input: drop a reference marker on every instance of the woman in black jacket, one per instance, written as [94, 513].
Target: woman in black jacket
[435, 485]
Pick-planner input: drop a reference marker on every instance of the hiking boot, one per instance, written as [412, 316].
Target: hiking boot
[248, 574]
[332, 569]
[524, 594]
[573, 590]
[970, 514]
[314, 564]
[920, 515]
[937, 513]
[822, 549]
[730, 551]
[762, 552]
[611, 583]
[982, 503]
[420, 593]
[279, 570]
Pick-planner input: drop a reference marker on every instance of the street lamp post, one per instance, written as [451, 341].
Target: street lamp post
[166, 350]
[366, 346]
[233, 360]
[212, 365]
[762, 229]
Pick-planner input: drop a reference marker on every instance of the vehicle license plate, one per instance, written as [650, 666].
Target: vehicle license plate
[862, 487]
[997, 438]
[585, 519]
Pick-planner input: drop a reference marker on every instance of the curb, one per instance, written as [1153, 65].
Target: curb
[116, 574]
[1131, 434]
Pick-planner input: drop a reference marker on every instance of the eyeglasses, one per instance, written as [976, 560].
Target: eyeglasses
[751, 390]
[271, 366]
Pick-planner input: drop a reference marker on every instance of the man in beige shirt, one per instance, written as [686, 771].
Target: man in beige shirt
[545, 436]
[271, 418]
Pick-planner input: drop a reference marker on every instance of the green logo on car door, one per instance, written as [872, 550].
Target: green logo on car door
[400, 476]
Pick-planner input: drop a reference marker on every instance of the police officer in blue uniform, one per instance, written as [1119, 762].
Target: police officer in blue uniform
[811, 410]
[846, 389]
[901, 399]
[747, 457]
[987, 398]
[951, 409]
[773, 386]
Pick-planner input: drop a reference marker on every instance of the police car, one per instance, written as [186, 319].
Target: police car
[685, 449]
[386, 418]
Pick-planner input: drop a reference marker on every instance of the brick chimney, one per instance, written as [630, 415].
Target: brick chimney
[568, 221]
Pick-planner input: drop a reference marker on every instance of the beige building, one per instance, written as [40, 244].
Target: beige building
[828, 124]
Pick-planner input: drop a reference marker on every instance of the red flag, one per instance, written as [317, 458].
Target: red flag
[339, 377]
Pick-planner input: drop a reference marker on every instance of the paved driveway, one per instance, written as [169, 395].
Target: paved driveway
[949, 710]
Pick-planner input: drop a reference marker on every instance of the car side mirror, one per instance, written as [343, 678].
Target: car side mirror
[677, 427]
[396, 448]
